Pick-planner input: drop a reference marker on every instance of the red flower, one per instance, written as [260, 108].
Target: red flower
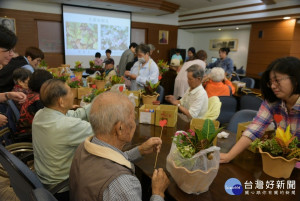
[277, 118]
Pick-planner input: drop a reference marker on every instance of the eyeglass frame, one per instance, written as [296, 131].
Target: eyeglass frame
[277, 81]
[9, 51]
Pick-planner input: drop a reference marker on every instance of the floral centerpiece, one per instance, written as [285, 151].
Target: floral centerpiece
[43, 65]
[92, 63]
[280, 153]
[74, 84]
[116, 80]
[163, 66]
[90, 97]
[78, 69]
[94, 67]
[193, 161]
[149, 94]
[100, 81]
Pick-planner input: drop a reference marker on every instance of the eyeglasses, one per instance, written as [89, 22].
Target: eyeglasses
[277, 81]
[9, 51]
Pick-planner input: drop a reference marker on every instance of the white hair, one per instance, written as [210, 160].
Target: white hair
[108, 109]
[152, 47]
[217, 74]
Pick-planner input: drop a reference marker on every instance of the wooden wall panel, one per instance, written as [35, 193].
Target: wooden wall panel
[295, 49]
[277, 41]
[162, 51]
[26, 23]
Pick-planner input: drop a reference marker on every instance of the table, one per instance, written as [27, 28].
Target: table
[246, 167]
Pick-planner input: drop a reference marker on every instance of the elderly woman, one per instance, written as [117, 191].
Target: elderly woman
[194, 103]
[181, 82]
[281, 90]
[56, 132]
[100, 169]
[217, 84]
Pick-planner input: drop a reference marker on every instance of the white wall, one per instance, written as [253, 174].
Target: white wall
[200, 40]
[171, 19]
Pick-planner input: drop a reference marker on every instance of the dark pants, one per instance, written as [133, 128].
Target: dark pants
[62, 196]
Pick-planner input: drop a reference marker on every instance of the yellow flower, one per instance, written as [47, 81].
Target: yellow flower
[284, 136]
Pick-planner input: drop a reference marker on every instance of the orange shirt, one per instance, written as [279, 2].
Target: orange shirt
[218, 88]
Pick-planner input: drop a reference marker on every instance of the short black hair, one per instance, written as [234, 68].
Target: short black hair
[21, 74]
[284, 65]
[177, 50]
[38, 78]
[8, 39]
[34, 53]
[143, 48]
[224, 49]
[193, 50]
[134, 45]
[108, 51]
[98, 54]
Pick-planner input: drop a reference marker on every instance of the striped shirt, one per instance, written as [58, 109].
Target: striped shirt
[265, 116]
[125, 187]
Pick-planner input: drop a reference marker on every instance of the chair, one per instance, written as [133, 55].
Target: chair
[22, 179]
[235, 77]
[228, 108]
[250, 82]
[239, 117]
[250, 102]
[214, 108]
[161, 92]
[41, 194]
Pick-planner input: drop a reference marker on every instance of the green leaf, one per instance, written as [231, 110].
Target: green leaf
[208, 128]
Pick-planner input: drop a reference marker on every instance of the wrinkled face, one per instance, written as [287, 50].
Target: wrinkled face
[5, 56]
[190, 54]
[35, 62]
[68, 98]
[222, 55]
[193, 82]
[281, 85]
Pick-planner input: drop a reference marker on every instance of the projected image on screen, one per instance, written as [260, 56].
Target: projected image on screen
[82, 35]
[119, 35]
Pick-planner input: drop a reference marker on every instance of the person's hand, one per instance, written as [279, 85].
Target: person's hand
[171, 99]
[20, 97]
[205, 78]
[224, 158]
[75, 107]
[3, 120]
[153, 144]
[160, 182]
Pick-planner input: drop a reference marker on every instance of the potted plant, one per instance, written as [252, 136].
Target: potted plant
[43, 65]
[74, 84]
[87, 99]
[116, 80]
[78, 70]
[149, 94]
[193, 161]
[163, 66]
[280, 153]
[99, 81]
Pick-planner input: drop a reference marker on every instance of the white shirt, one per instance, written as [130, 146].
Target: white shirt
[149, 72]
[181, 83]
[196, 101]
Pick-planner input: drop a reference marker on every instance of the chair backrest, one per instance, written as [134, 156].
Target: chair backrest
[42, 194]
[14, 108]
[250, 82]
[250, 102]
[161, 92]
[239, 117]
[228, 108]
[22, 179]
[235, 77]
[214, 108]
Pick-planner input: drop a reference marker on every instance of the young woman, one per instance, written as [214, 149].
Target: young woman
[281, 90]
[224, 61]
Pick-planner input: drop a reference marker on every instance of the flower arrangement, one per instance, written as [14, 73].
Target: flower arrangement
[92, 63]
[89, 98]
[163, 66]
[116, 80]
[100, 77]
[43, 64]
[74, 83]
[189, 143]
[150, 88]
[283, 144]
[78, 67]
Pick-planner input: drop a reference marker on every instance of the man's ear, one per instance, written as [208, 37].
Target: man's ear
[118, 128]
[29, 58]
[60, 102]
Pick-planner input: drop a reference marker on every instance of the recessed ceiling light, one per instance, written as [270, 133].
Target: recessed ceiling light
[287, 18]
[237, 28]
[220, 29]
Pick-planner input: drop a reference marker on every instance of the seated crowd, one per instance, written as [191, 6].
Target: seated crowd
[86, 144]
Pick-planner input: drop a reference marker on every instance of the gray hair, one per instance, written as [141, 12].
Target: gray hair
[197, 71]
[152, 47]
[108, 109]
[217, 74]
[51, 90]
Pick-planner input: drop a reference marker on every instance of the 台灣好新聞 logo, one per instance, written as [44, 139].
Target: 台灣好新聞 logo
[233, 186]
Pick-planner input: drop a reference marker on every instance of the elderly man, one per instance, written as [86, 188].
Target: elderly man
[143, 70]
[194, 103]
[56, 133]
[100, 170]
